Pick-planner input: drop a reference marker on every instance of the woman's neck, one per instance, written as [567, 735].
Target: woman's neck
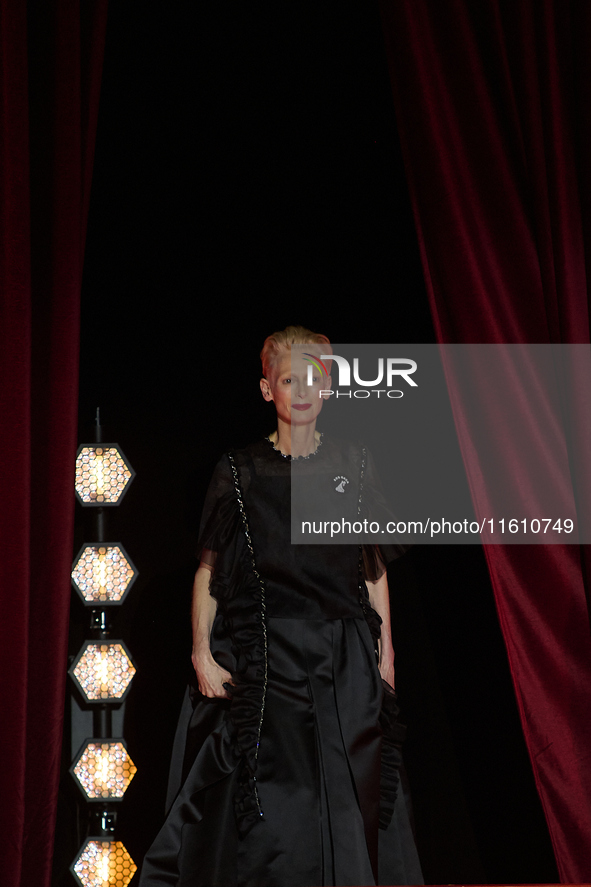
[295, 440]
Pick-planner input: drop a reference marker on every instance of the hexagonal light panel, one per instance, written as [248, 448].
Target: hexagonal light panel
[103, 769]
[103, 573]
[103, 863]
[103, 671]
[102, 474]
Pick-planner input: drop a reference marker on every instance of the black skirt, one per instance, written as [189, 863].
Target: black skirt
[319, 774]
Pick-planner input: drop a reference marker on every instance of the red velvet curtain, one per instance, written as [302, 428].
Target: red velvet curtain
[50, 69]
[492, 99]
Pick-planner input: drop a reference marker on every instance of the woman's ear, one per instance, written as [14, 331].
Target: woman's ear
[266, 389]
[327, 387]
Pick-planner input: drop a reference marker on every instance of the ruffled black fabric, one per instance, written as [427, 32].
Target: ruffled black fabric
[393, 732]
[377, 557]
[373, 619]
[247, 700]
[240, 597]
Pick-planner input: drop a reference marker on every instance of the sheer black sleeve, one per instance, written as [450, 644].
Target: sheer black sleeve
[375, 507]
[221, 543]
[218, 519]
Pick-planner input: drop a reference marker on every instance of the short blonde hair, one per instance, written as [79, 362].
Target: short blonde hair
[291, 335]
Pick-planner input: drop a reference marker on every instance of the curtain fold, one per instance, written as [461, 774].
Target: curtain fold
[49, 86]
[490, 100]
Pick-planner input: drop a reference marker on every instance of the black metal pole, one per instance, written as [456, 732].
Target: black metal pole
[102, 822]
[98, 431]
[100, 524]
[102, 721]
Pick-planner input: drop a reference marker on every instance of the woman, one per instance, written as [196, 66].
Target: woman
[285, 767]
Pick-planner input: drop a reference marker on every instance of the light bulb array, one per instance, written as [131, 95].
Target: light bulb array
[102, 575]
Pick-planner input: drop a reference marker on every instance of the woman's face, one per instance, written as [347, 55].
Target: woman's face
[296, 401]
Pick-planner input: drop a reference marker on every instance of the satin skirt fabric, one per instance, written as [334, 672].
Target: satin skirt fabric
[318, 775]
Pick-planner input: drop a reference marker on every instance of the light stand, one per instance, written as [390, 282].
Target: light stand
[102, 574]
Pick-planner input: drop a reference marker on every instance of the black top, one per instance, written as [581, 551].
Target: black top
[320, 581]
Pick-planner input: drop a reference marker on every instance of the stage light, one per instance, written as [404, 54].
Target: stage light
[103, 573]
[103, 863]
[103, 671]
[103, 770]
[102, 474]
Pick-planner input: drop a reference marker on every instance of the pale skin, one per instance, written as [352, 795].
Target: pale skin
[287, 387]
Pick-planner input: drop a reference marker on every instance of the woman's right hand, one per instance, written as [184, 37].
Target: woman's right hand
[211, 676]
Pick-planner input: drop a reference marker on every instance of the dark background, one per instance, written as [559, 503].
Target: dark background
[247, 176]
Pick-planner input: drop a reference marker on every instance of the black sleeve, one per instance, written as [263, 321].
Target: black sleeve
[218, 517]
[375, 507]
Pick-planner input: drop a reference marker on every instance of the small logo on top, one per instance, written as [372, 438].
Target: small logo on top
[343, 481]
